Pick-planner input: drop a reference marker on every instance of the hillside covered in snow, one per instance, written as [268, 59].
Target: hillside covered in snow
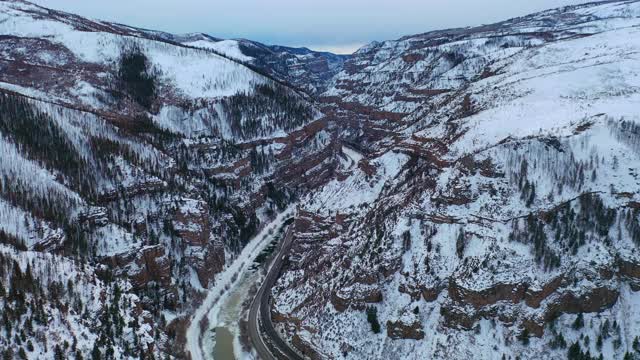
[463, 193]
[493, 208]
[133, 168]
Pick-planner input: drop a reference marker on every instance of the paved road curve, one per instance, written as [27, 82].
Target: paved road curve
[264, 337]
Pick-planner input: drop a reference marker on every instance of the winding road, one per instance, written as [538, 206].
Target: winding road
[264, 337]
[228, 278]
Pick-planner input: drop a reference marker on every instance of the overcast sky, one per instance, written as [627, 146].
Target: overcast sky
[338, 25]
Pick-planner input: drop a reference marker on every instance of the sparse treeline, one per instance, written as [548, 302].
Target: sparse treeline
[206, 154]
[563, 171]
[268, 109]
[33, 136]
[569, 226]
[627, 132]
[33, 298]
[40, 138]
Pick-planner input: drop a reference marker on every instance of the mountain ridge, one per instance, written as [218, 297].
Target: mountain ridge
[463, 193]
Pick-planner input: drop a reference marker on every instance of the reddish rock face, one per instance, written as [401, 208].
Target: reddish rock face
[141, 188]
[468, 306]
[499, 292]
[212, 264]
[534, 298]
[430, 294]
[629, 269]
[191, 222]
[399, 330]
[153, 266]
[367, 168]
[283, 318]
[412, 58]
[305, 348]
[410, 290]
[594, 300]
[192, 225]
[144, 266]
[342, 302]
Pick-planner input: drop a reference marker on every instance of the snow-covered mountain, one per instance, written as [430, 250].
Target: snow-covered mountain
[133, 168]
[488, 202]
[308, 70]
[464, 193]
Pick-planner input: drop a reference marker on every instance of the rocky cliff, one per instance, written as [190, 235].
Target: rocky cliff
[492, 211]
[464, 193]
[139, 163]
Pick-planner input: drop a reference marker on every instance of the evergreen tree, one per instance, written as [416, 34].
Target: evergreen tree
[372, 318]
[58, 354]
[574, 352]
[579, 322]
[7, 354]
[460, 244]
[524, 336]
[136, 75]
[95, 353]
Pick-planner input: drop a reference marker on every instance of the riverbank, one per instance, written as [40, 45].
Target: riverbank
[208, 315]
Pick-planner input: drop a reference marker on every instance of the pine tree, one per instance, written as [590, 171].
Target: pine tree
[58, 354]
[460, 244]
[95, 353]
[372, 318]
[524, 336]
[7, 354]
[605, 329]
[574, 352]
[532, 195]
[579, 323]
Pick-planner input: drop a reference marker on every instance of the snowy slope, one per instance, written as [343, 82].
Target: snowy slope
[470, 193]
[511, 206]
[143, 202]
[190, 72]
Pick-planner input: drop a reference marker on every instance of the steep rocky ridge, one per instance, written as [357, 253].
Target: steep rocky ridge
[147, 197]
[466, 193]
[493, 201]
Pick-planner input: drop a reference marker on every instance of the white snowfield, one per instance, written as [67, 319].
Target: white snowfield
[72, 61]
[548, 89]
[193, 73]
[229, 48]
